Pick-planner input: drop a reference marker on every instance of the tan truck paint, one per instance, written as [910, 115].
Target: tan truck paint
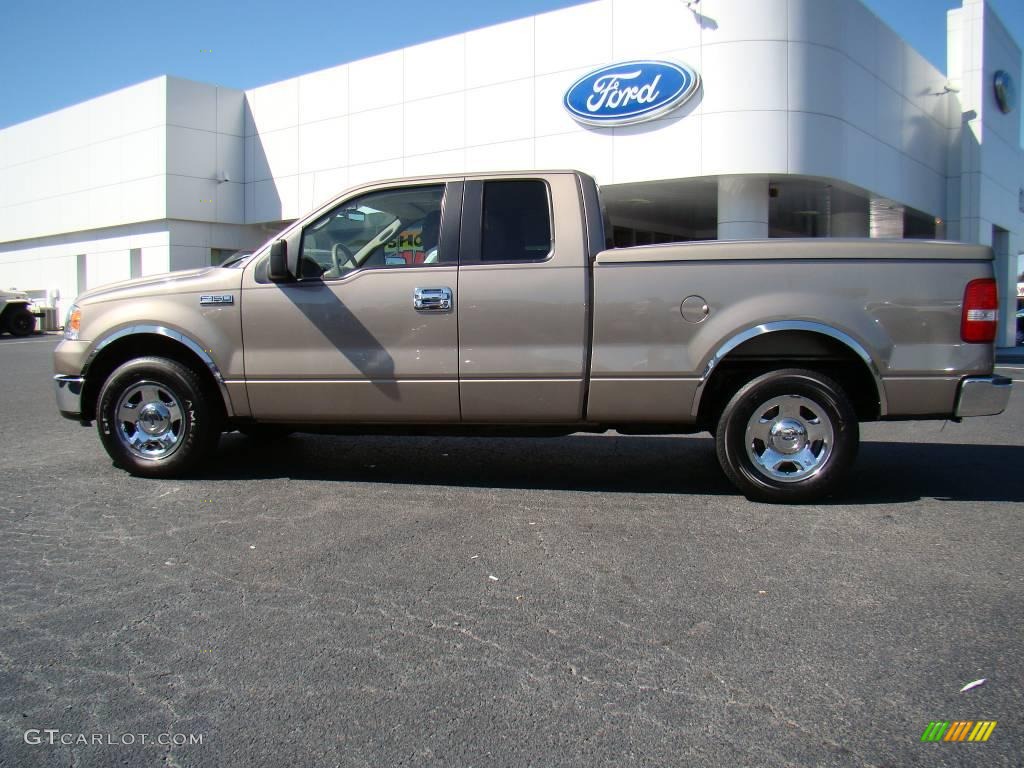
[898, 305]
[523, 327]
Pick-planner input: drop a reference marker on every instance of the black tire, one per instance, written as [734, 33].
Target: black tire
[20, 322]
[268, 432]
[191, 417]
[815, 427]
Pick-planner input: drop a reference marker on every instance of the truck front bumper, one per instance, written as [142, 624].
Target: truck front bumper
[982, 396]
[69, 396]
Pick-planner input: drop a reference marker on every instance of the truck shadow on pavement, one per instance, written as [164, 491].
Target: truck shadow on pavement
[884, 472]
[7, 338]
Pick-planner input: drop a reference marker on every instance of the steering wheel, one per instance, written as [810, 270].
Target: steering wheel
[341, 256]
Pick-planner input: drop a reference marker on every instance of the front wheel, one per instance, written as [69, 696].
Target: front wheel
[154, 418]
[788, 436]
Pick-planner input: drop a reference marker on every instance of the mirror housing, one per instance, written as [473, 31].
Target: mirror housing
[278, 271]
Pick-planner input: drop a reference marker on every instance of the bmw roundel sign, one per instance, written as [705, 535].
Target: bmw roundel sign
[630, 92]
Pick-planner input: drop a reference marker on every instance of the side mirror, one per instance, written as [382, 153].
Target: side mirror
[279, 272]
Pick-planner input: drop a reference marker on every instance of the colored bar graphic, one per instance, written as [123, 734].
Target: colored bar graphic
[959, 730]
[982, 730]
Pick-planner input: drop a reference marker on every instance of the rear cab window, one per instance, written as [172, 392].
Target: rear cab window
[516, 222]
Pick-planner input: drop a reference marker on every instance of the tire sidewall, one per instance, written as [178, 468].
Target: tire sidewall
[196, 415]
[731, 436]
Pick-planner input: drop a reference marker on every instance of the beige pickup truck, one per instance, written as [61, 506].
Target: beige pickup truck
[495, 304]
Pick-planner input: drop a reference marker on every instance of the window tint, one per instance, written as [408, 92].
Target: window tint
[392, 228]
[516, 221]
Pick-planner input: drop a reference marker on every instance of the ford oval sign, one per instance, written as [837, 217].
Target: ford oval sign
[630, 92]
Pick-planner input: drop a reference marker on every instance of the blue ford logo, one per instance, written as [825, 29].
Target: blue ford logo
[630, 92]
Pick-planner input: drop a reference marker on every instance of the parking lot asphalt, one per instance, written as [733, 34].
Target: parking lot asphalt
[590, 600]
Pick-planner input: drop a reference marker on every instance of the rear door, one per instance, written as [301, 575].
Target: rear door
[523, 300]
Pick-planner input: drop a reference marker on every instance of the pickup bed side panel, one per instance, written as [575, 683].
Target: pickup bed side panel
[648, 361]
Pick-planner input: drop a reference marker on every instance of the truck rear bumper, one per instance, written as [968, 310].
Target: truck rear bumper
[982, 396]
[69, 396]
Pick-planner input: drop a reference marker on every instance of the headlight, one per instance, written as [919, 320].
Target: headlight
[73, 324]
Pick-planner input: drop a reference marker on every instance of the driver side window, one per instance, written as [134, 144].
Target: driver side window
[390, 228]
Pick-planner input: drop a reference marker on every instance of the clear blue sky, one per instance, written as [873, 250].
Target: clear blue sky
[59, 53]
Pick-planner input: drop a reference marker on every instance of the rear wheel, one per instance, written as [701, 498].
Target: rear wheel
[20, 322]
[155, 419]
[787, 436]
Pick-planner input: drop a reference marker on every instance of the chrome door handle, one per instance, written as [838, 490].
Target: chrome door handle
[432, 300]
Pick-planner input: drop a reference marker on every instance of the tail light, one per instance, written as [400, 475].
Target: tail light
[980, 312]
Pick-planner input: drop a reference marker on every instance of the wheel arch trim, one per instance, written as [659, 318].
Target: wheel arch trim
[791, 325]
[174, 335]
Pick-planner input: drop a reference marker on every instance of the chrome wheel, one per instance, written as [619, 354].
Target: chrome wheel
[149, 418]
[789, 438]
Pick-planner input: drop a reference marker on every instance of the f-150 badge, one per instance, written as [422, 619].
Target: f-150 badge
[217, 298]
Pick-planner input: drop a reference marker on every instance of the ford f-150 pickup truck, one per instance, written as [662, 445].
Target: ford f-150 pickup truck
[496, 304]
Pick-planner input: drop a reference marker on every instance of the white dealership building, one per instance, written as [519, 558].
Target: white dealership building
[811, 118]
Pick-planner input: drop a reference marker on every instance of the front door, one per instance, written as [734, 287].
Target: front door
[369, 332]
